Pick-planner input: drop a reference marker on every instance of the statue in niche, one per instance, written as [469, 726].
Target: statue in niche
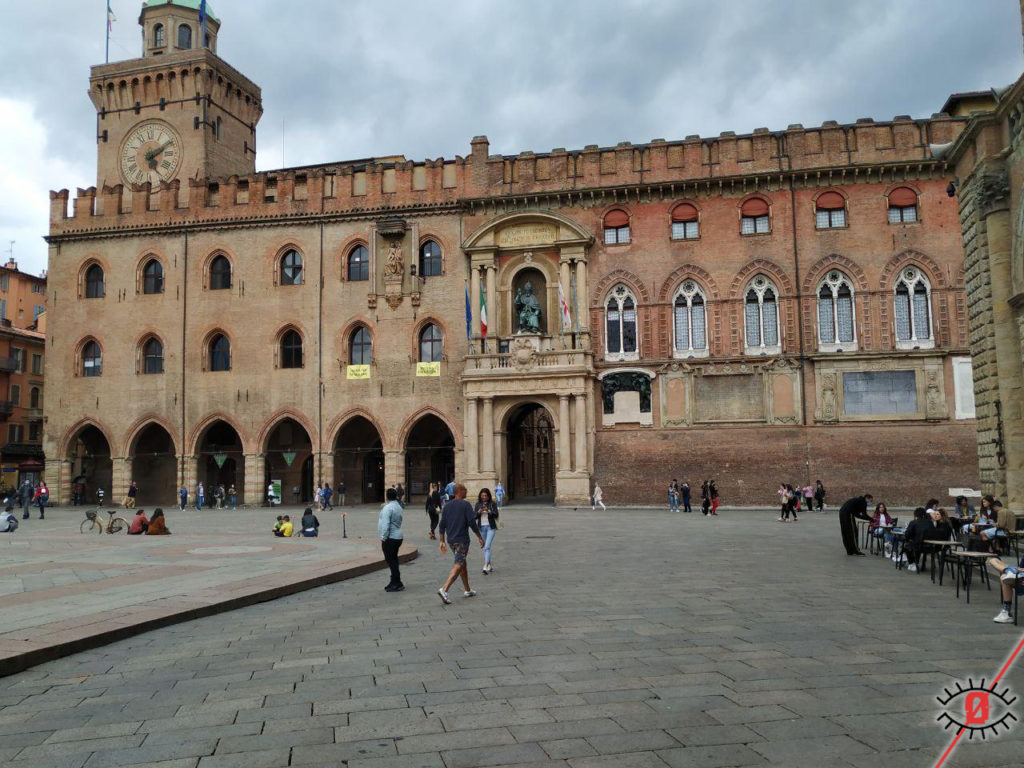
[626, 382]
[528, 309]
[393, 266]
[828, 397]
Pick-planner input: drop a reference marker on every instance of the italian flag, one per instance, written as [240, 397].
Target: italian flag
[483, 314]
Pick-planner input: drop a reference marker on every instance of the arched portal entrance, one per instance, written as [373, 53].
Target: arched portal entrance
[531, 454]
[289, 458]
[154, 466]
[91, 467]
[429, 455]
[359, 462]
[221, 460]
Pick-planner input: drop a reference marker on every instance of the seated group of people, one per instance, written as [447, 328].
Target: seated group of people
[154, 526]
[285, 528]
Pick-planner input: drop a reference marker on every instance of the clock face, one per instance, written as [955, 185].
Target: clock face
[151, 152]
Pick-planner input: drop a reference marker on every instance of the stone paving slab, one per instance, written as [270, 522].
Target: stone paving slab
[629, 639]
[64, 591]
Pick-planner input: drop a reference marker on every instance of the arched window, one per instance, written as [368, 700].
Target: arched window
[761, 317]
[153, 356]
[754, 218]
[689, 321]
[685, 222]
[358, 264]
[291, 349]
[835, 312]
[431, 344]
[291, 268]
[620, 324]
[430, 259]
[913, 310]
[184, 36]
[92, 359]
[159, 39]
[153, 277]
[220, 353]
[360, 350]
[94, 287]
[616, 227]
[830, 211]
[902, 205]
[220, 273]
[35, 398]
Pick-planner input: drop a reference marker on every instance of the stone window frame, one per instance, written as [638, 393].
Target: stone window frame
[141, 278]
[180, 42]
[424, 242]
[418, 332]
[279, 350]
[928, 370]
[207, 351]
[687, 236]
[284, 253]
[758, 224]
[834, 280]
[689, 288]
[141, 356]
[347, 263]
[350, 342]
[760, 284]
[621, 234]
[213, 257]
[159, 36]
[84, 282]
[897, 215]
[911, 276]
[35, 397]
[620, 293]
[836, 218]
[80, 357]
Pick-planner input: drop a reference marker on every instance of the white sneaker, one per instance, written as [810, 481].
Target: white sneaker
[1004, 617]
[911, 568]
[469, 593]
[444, 597]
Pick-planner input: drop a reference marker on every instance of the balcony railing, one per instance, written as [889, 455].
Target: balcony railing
[504, 363]
[8, 364]
[6, 408]
[35, 414]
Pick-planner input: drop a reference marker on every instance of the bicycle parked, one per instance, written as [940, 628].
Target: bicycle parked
[93, 522]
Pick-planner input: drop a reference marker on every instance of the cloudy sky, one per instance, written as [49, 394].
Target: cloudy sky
[357, 78]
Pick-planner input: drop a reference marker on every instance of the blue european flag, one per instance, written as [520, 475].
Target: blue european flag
[469, 317]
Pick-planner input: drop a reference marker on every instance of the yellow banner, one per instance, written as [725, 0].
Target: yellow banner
[358, 372]
[428, 369]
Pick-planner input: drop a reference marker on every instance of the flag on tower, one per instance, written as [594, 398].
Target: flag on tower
[483, 314]
[111, 18]
[202, 21]
[563, 309]
[469, 316]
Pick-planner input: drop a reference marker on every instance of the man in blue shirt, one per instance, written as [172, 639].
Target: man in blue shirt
[457, 520]
[389, 528]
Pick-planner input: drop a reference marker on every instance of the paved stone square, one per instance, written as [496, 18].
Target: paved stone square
[628, 638]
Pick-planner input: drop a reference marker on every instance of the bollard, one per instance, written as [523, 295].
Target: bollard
[344, 532]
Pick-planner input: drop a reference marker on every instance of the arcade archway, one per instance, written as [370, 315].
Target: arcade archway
[154, 466]
[289, 458]
[531, 454]
[91, 466]
[359, 462]
[221, 459]
[429, 455]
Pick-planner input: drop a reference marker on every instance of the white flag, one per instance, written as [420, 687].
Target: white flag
[563, 308]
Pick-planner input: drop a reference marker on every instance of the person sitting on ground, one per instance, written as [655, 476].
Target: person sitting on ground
[139, 524]
[157, 524]
[8, 521]
[310, 525]
[276, 530]
[1010, 579]
[921, 527]
[286, 529]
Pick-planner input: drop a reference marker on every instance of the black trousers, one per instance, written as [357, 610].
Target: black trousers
[390, 549]
[849, 530]
[433, 521]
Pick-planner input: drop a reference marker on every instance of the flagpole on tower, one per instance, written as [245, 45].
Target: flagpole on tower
[110, 23]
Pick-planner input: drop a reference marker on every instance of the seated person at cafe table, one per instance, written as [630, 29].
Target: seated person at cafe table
[1008, 576]
[921, 527]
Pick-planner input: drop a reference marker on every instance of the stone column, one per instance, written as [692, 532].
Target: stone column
[564, 458]
[255, 490]
[474, 303]
[394, 468]
[582, 297]
[122, 471]
[488, 436]
[58, 477]
[472, 438]
[581, 432]
[492, 305]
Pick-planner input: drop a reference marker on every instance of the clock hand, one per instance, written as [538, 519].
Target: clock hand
[151, 154]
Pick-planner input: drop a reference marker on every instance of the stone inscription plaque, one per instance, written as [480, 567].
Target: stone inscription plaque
[526, 234]
[728, 398]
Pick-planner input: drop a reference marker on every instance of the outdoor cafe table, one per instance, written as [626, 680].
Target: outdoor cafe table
[942, 556]
[967, 560]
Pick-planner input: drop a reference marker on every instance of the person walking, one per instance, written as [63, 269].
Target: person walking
[319, 497]
[808, 497]
[328, 493]
[499, 494]
[457, 520]
[183, 498]
[26, 498]
[433, 508]
[673, 496]
[686, 497]
[487, 519]
[389, 528]
[200, 496]
[856, 507]
[713, 492]
[42, 497]
[598, 499]
[270, 495]
[219, 495]
[232, 497]
[819, 495]
[341, 493]
[129, 499]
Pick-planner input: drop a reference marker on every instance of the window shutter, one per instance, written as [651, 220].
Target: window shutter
[830, 201]
[755, 207]
[902, 197]
[684, 212]
[616, 219]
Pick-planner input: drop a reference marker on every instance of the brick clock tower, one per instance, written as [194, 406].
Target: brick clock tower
[179, 111]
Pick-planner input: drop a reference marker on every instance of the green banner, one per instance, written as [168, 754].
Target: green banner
[220, 458]
[289, 456]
